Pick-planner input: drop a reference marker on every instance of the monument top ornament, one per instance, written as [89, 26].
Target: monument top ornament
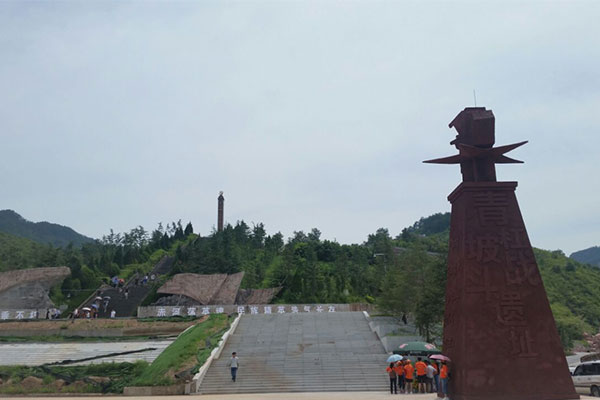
[475, 142]
[499, 330]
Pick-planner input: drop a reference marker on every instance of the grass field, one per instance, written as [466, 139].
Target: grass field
[187, 353]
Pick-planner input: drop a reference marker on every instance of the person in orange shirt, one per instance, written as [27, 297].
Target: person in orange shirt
[421, 368]
[391, 370]
[444, 378]
[400, 373]
[408, 375]
[436, 377]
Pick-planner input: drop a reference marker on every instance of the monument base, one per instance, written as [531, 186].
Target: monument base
[498, 327]
[510, 397]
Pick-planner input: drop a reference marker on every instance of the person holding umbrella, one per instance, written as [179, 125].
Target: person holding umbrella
[392, 371]
[436, 376]
[443, 376]
[400, 374]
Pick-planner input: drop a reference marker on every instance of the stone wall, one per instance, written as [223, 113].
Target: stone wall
[22, 313]
[171, 311]
[148, 391]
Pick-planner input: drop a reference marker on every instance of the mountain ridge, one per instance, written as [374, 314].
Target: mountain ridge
[41, 232]
[591, 256]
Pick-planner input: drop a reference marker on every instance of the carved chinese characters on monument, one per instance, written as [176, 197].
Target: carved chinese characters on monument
[498, 326]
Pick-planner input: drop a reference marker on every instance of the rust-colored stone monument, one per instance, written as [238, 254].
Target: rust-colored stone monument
[498, 327]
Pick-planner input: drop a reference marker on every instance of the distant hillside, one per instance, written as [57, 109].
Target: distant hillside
[588, 256]
[436, 223]
[40, 232]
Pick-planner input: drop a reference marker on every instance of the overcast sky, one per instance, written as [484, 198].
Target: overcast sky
[305, 113]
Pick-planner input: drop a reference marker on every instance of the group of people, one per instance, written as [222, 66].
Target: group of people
[52, 313]
[144, 280]
[89, 313]
[117, 282]
[424, 376]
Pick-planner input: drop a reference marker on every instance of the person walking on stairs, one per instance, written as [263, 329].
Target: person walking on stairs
[391, 370]
[234, 363]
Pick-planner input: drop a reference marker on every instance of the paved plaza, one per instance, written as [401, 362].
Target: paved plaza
[280, 396]
[34, 354]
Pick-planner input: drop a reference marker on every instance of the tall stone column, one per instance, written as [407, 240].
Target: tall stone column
[220, 211]
[499, 330]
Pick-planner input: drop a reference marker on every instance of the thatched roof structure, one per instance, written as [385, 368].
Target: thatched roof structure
[219, 289]
[229, 289]
[201, 288]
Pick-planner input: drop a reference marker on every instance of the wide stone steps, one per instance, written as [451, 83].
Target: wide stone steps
[301, 353]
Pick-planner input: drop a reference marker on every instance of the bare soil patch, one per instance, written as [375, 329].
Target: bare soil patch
[130, 327]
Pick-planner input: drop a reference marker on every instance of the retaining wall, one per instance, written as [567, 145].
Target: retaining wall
[171, 311]
[22, 313]
[156, 390]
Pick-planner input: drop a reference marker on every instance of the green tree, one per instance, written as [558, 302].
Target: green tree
[189, 229]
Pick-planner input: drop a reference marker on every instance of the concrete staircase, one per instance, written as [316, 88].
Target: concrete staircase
[124, 307]
[304, 352]
[137, 293]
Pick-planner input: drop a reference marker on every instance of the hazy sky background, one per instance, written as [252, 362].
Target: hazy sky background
[305, 113]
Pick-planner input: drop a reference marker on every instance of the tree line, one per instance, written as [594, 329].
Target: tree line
[403, 274]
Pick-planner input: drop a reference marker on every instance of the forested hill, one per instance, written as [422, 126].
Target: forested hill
[40, 232]
[588, 256]
[402, 274]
